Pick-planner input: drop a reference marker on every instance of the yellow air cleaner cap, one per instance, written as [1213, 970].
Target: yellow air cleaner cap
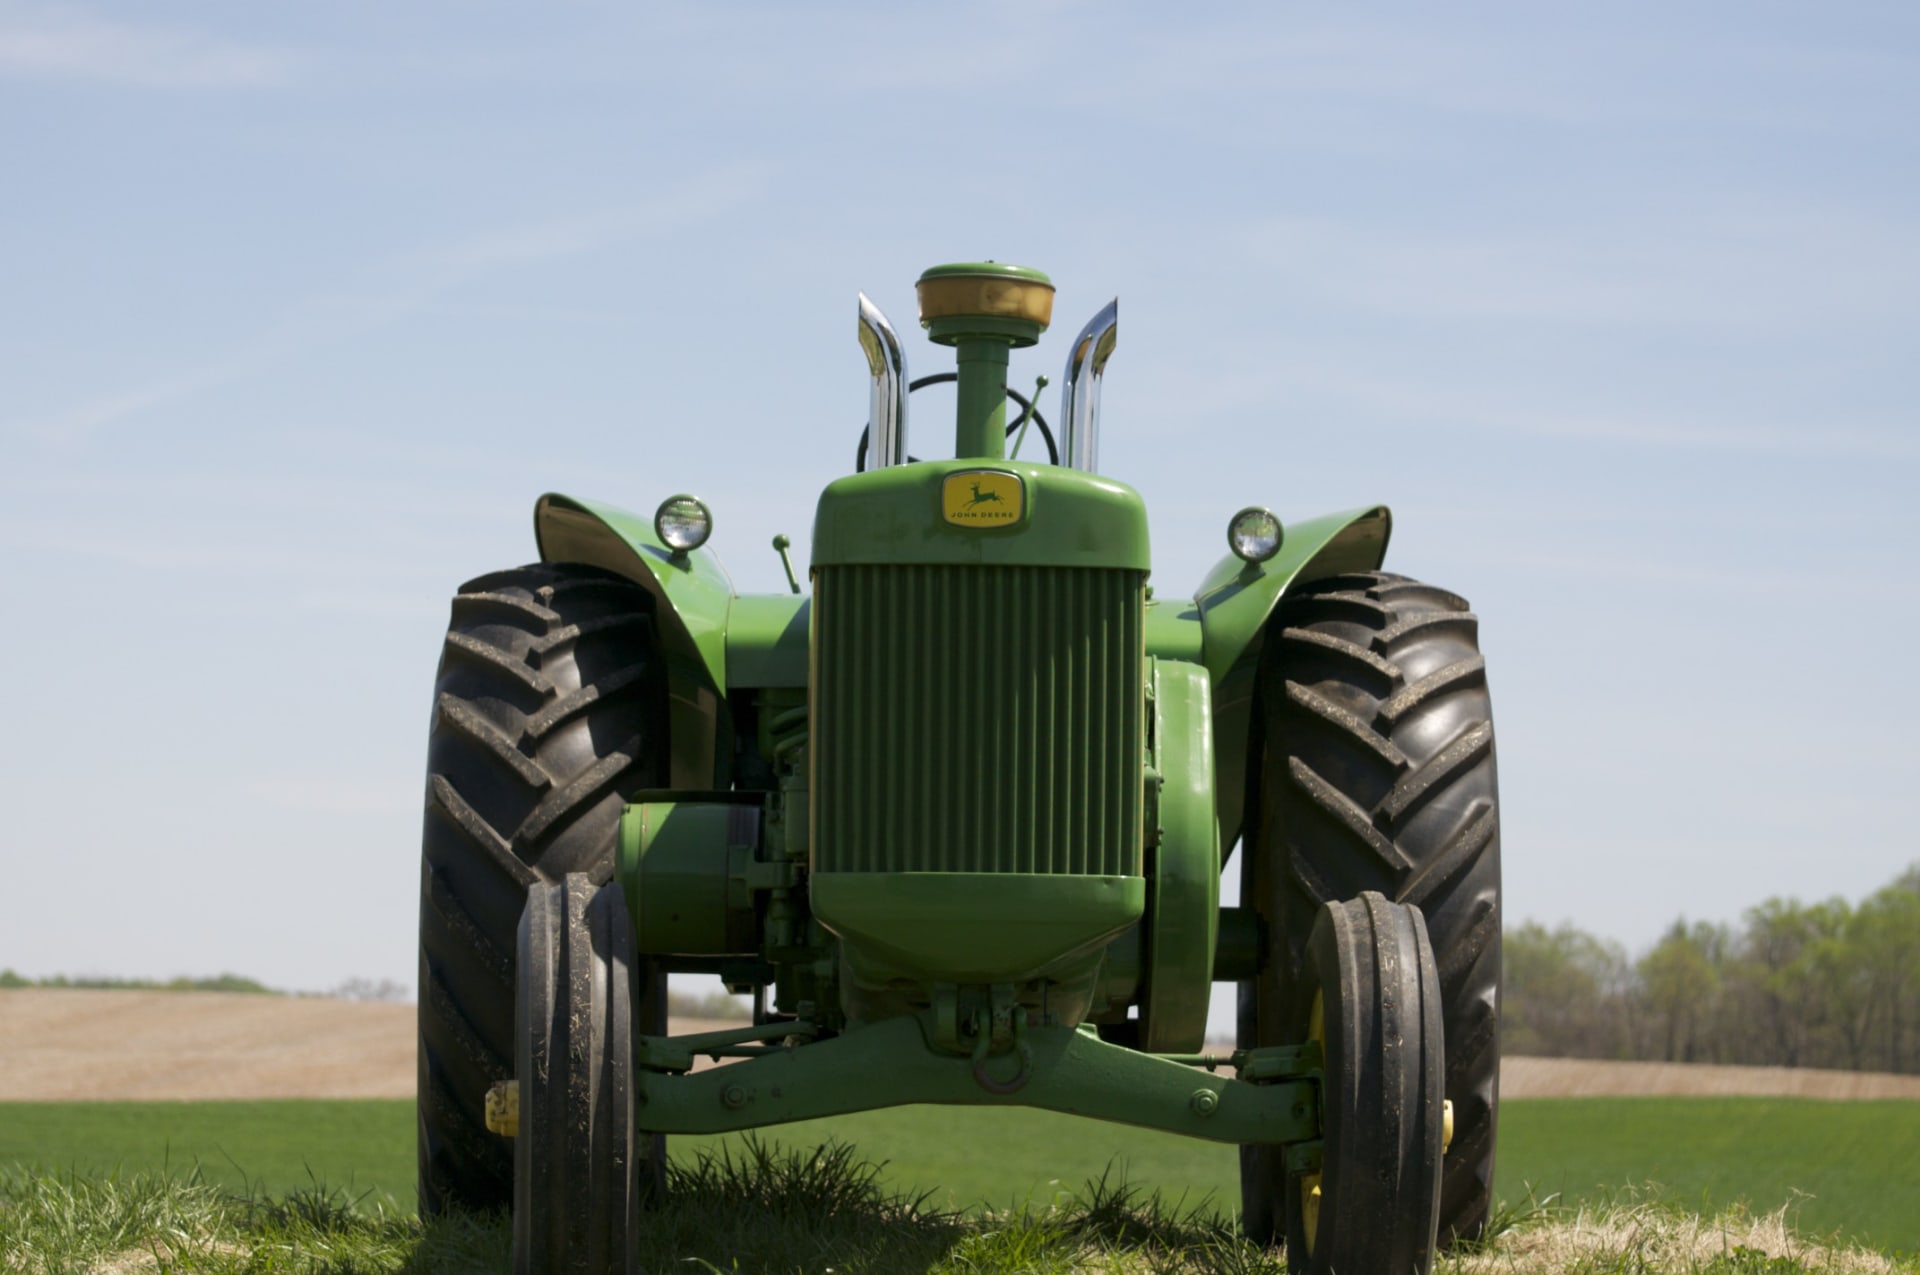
[986, 290]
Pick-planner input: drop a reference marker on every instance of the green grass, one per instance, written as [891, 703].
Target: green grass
[966, 1158]
[999, 1158]
[756, 1209]
[1848, 1166]
[361, 1148]
[1857, 1164]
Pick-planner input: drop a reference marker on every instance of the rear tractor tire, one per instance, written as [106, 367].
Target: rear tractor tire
[549, 710]
[1376, 772]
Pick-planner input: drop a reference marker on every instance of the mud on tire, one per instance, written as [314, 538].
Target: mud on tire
[549, 709]
[1375, 1198]
[1377, 773]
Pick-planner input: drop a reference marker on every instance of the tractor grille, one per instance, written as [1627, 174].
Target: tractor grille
[977, 719]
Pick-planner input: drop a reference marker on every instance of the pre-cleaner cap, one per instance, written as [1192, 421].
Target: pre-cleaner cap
[985, 290]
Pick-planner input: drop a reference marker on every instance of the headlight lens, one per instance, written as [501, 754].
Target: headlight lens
[683, 523]
[1254, 533]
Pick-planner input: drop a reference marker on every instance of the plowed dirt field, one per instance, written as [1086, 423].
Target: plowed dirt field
[59, 1045]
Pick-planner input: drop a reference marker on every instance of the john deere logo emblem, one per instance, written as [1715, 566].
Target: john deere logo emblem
[983, 498]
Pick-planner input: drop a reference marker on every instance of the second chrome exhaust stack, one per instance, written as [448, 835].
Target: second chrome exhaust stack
[1080, 388]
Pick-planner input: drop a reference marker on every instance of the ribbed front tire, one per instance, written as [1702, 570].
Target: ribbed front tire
[1377, 773]
[549, 710]
[1373, 1204]
[577, 1157]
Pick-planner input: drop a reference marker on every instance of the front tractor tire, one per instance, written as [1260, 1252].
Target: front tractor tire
[1377, 773]
[1374, 1009]
[549, 710]
[579, 1166]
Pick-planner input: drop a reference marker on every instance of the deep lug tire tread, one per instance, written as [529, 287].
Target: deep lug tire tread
[549, 709]
[1377, 772]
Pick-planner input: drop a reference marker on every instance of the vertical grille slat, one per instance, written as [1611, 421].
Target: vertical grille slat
[978, 719]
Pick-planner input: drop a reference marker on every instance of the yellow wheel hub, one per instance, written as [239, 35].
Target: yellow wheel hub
[1310, 1182]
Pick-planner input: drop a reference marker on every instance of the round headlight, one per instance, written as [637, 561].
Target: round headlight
[1254, 533]
[683, 523]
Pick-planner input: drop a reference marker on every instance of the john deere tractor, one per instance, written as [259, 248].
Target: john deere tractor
[955, 818]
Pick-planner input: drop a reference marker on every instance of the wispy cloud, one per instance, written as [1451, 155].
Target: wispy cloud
[1536, 65]
[153, 546]
[1293, 379]
[688, 203]
[46, 43]
[408, 285]
[1675, 568]
[1428, 404]
[85, 417]
[1741, 265]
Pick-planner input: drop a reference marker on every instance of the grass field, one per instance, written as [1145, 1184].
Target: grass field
[1853, 1162]
[762, 1211]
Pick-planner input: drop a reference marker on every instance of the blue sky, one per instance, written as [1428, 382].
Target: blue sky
[301, 307]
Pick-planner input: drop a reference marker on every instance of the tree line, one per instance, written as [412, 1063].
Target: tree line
[1793, 984]
[218, 983]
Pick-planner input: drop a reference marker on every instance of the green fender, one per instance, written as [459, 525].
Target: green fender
[1183, 870]
[692, 596]
[1231, 609]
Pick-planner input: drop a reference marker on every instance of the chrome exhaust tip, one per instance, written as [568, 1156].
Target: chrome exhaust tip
[887, 403]
[1080, 388]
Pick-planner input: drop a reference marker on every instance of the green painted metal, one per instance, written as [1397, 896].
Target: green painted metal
[986, 269]
[1183, 864]
[1232, 606]
[1071, 519]
[977, 721]
[980, 414]
[1173, 629]
[782, 543]
[1236, 597]
[1123, 968]
[767, 640]
[692, 596]
[975, 927]
[1026, 416]
[687, 868]
[693, 586]
[713, 640]
[890, 1064]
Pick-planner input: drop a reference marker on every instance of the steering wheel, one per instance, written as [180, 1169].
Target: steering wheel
[940, 378]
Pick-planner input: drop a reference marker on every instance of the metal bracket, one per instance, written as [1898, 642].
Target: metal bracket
[892, 1063]
[676, 1053]
[1306, 1157]
[1280, 1062]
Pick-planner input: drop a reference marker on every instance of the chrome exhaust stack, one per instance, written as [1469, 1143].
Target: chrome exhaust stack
[1080, 388]
[887, 405]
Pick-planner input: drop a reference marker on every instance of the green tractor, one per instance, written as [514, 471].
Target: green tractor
[955, 820]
